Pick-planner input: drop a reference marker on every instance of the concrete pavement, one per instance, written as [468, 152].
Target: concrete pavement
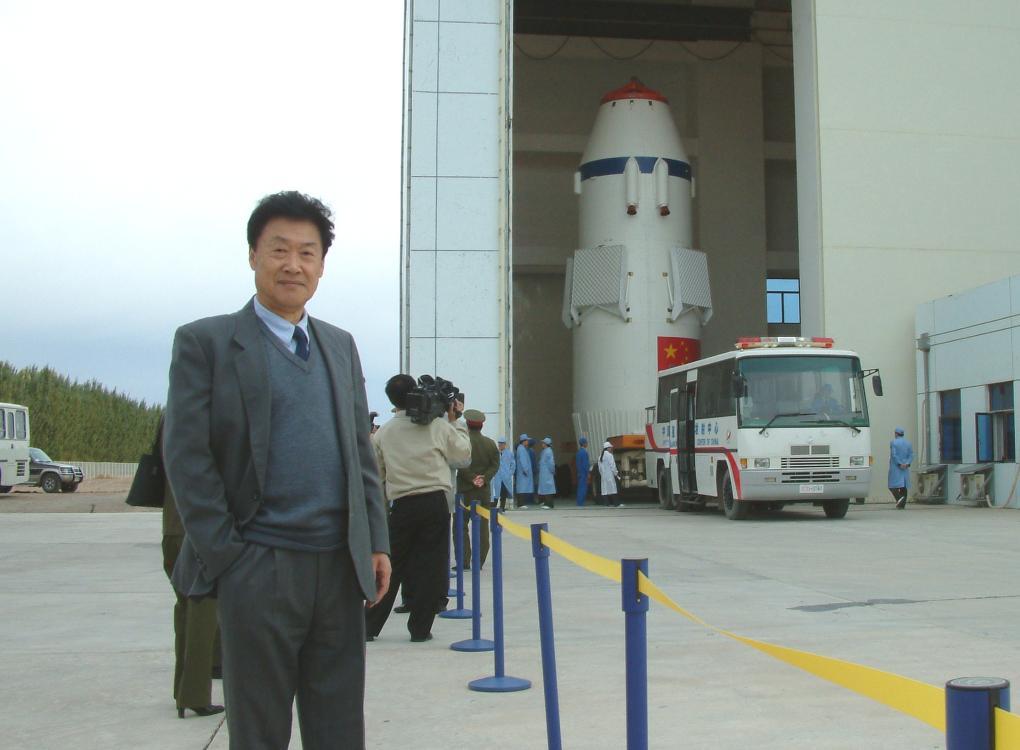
[930, 593]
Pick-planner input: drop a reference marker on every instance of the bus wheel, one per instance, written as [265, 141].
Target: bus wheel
[4, 489]
[665, 489]
[836, 508]
[735, 510]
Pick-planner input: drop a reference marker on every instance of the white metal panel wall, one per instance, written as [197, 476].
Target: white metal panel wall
[917, 129]
[975, 341]
[454, 287]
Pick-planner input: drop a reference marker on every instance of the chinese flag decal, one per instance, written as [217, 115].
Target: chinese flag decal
[674, 351]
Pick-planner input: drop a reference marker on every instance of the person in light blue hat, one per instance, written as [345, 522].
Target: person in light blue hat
[582, 461]
[901, 455]
[503, 482]
[524, 479]
[546, 475]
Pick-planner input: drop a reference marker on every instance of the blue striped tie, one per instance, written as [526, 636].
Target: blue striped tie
[302, 343]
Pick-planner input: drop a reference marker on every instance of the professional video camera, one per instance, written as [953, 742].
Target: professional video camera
[431, 399]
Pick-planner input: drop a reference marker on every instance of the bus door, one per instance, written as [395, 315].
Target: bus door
[687, 482]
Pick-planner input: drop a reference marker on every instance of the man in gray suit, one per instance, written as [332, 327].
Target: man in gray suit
[267, 450]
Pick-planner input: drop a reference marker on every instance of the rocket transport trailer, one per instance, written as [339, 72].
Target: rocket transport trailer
[777, 421]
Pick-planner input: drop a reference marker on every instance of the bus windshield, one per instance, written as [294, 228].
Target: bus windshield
[802, 391]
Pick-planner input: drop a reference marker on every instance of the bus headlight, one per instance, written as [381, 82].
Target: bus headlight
[761, 463]
[857, 460]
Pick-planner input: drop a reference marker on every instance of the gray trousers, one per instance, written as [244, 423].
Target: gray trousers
[293, 626]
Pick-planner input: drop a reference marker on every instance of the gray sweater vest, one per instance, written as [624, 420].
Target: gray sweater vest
[304, 505]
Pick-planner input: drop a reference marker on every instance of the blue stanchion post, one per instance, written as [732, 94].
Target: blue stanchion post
[970, 711]
[499, 682]
[635, 607]
[458, 612]
[475, 642]
[545, 628]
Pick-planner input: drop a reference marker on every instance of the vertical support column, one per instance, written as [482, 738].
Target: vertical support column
[635, 607]
[498, 683]
[545, 627]
[475, 642]
[459, 612]
[970, 711]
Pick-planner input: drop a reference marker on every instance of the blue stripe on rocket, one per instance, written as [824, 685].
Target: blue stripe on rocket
[616, 165]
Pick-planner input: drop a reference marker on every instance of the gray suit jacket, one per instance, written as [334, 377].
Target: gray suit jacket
[216, 443]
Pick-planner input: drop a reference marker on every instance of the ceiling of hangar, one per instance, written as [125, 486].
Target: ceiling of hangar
[673, 20]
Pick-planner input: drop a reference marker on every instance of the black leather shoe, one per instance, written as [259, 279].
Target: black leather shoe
[403, 609]
[369, 638]
[209, 710]
[421, 638]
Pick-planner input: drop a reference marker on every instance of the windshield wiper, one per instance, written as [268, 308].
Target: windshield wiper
[829, 419]
[788, 414]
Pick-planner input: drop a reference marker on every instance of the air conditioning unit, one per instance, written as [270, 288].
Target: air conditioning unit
[928, 485]
[972, 487]
[931, 484]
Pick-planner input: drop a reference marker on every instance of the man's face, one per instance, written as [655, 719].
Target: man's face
[288, 263]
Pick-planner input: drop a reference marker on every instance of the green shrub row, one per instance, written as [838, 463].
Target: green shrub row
[80, 421]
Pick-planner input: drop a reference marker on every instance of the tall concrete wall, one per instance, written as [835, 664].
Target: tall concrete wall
[455, 247]
[908, 146]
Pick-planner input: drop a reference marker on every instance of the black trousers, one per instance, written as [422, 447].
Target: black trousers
[419, 552]
[898, 493]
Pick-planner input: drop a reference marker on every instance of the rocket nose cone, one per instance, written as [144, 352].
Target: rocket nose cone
[633, 90]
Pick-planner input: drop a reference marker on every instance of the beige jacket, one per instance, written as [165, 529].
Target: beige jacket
[414, 458]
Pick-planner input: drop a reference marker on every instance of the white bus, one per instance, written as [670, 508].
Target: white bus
[779, 420]
[14, 437]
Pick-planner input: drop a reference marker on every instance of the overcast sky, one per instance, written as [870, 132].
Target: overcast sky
[135, 138]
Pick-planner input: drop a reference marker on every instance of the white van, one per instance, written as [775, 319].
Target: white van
[14, 437]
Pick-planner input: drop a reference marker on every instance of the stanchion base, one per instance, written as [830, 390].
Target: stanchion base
[456, 614]
[474, 644]
[499, 684]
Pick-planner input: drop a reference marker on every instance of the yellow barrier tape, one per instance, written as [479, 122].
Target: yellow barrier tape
[917, 699]
[516, 529]
[593, 563]
[1007, 730]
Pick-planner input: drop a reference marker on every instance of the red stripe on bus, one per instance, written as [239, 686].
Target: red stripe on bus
[730, 460]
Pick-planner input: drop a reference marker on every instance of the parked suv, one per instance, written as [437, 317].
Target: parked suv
[52, 476]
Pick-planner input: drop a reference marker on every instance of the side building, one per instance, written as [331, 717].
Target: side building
[968, 365]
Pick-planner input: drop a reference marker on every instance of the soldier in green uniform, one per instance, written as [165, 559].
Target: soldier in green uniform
[473, 481]
[195, 622]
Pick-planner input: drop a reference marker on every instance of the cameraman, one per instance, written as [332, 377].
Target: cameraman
[414, 464]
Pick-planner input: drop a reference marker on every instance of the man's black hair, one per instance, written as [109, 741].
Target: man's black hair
[397, 389]
[291, 204]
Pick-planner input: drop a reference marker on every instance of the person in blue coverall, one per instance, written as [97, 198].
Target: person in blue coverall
[582, 462]
[503, 482]
[524, 478]
[901, 455]
[547, 475]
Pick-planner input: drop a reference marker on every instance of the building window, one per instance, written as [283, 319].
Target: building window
[782, 300]
[950, 432]
[996, 433]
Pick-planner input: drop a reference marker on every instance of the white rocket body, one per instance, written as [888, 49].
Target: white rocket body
[635, 191]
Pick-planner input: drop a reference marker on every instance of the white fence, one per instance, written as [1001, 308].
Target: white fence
[95, 469]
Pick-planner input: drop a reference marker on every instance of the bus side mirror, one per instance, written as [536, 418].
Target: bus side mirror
[876, 384]
[738, 385]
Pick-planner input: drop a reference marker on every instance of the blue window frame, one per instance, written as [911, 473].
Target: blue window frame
[950, 427]
[782, 300]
